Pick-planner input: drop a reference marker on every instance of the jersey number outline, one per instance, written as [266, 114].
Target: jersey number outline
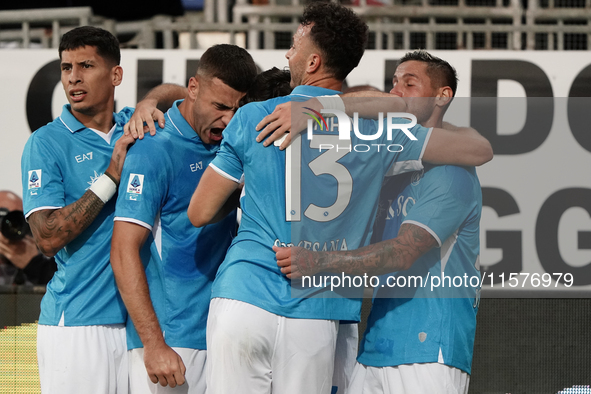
[325, 164]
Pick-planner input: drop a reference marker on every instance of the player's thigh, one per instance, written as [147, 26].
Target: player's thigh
[71, 358]
[345, 356]
[240, 345]
[194, 360]
[304, 356]
[428, 378]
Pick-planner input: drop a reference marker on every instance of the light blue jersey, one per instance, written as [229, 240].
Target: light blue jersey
[60, 162]
[159, 177]
[331, 206]
[428, 324]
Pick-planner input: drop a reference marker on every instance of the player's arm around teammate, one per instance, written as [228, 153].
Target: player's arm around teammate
[397, 254]
[151, 108]
[447, 144]
[54, 229]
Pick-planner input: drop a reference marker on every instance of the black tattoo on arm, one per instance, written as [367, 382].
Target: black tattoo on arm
[396, 254]
[54, 229]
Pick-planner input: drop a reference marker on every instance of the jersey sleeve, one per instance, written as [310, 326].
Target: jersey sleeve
[42, 179]
[402, 153]
[143, 188]
[447, 197]
[229, 159]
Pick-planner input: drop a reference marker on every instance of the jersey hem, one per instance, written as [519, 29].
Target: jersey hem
[40, 209]
[134, 221]
[430, 360]
[426, 228]
[272, 308]
[223, 173]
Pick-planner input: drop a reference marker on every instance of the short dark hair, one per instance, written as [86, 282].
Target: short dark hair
[339, 33]
[439, 71]
[106, 44]
[267, 85]
[231, 64]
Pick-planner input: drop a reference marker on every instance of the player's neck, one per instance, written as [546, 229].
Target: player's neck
[324, 81]
[101, 121]
[438, 122]
[435, 120]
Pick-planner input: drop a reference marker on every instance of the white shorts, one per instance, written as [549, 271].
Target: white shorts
[345, 356]
[427, 378]
[254, 351]
[194, 360]
[74, 360]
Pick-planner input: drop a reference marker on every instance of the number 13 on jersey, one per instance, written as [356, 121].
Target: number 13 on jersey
[325, 164]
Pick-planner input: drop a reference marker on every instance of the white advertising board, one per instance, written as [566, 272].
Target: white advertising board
[537, 192]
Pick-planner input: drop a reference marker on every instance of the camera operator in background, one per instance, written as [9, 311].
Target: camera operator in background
[20, 260]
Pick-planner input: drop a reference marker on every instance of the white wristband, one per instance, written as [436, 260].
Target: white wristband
[104, 188]
[332, 102]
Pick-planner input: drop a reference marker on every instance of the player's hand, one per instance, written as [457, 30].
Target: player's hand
[142, 120]
[118, 156]
[21, 252]
[281, 121]
[164, 365]
[295, 261]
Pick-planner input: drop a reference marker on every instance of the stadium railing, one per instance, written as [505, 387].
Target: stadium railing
[429, 24]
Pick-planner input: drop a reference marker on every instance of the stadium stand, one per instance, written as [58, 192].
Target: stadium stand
[401, 24]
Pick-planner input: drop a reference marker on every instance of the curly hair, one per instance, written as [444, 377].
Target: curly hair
[339, 33]
[106, 44]
[439, 71]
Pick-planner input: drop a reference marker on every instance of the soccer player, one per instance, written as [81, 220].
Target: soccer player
[267, 339]
[168, 299]
[418, 339]
[70, 171]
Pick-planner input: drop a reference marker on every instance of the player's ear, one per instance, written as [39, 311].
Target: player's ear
[314, 62]
[193, 88]
[444, 96]
[117, 75]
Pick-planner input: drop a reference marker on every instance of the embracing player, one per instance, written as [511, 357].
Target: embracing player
[271, 341]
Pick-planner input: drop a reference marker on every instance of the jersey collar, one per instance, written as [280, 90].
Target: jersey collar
[180, 124]
[312, 91]
[75, 125]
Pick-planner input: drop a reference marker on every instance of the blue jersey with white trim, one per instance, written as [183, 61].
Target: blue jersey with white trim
[424, 314]
[159, 177]
[59, 163]
[329, 207]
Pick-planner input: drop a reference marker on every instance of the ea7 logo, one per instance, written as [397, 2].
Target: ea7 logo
[196, 166]
[82, 157]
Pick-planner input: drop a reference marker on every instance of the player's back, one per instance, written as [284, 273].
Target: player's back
[425, 317]
[303, 196]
